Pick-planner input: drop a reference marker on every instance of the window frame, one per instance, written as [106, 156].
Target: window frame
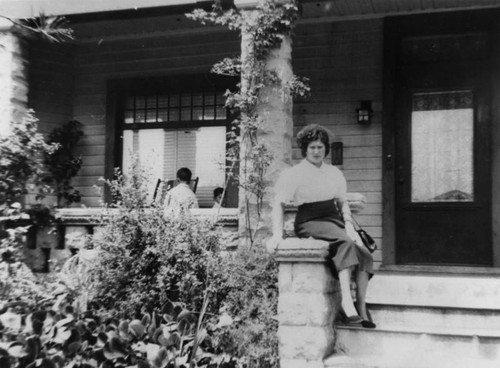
[120, 90]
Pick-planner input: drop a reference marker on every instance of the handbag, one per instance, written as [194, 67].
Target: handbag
[367, 240]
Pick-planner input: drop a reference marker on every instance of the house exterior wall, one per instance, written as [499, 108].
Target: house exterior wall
[343, 61]
[51, 83]
[101, 60]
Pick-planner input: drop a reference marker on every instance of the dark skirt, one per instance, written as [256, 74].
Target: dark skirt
[322, 220]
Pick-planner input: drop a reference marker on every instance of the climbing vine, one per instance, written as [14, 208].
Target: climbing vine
[266, 26]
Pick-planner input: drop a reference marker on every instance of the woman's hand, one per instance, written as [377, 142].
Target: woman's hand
[352, 233]
[272, 243]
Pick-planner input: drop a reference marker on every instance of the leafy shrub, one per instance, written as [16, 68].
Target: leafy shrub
[251, 299]
[17, 281]
[19, 160]
[59, 337]
[145, 257]
[62, 165]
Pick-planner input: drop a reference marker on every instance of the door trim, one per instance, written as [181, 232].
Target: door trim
[395, 28]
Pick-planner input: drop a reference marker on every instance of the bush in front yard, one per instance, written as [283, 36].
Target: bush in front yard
[57, 337]
[251, 299]
[143, 259]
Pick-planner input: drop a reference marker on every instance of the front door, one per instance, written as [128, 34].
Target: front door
[442, 160]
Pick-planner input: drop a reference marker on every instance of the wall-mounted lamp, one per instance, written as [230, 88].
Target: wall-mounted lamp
[365, 112]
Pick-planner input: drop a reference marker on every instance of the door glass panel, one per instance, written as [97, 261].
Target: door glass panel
[442, 147]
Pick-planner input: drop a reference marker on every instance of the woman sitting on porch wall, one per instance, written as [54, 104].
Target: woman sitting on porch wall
[319, 190]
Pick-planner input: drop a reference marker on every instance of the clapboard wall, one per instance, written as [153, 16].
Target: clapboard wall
[343, 61]
[159, 46]
[50, 88]
[50, 75]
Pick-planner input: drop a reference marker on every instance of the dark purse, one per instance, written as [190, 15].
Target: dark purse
[367, 240]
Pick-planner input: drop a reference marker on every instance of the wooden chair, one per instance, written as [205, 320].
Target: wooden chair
[194, 184]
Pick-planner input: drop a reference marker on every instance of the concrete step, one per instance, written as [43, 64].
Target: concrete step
[391, 346]
[479, 291]
[427, 319]
[430, 318]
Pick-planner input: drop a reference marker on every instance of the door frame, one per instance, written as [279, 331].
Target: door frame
[395, 28]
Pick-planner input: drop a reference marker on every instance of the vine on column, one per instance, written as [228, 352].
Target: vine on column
[264, 28]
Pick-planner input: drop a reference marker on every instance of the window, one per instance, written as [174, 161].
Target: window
[172, 124]
[442, 133]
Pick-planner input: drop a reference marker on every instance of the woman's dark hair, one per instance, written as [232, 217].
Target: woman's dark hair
[184, 174]
[311, 133]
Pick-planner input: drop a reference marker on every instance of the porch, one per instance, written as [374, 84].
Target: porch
[425, 313]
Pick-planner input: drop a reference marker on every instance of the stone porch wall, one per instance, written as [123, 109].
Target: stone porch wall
[47, 250]
[309, 297]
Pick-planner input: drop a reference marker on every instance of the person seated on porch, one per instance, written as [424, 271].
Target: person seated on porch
[319, 190]
[218, 192]
[181, 197]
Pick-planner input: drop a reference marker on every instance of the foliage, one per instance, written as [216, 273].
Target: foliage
[18, 284]
[129, 193]
[145, 257]
[251, 299]
[62, 165]
[20, 162]
[267, 25]
[56, 336]
[20, 167]
[17, 281]
[51, 28]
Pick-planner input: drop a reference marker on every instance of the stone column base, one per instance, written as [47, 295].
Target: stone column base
[308, 302]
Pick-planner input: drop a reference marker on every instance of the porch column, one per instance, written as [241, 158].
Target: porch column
[13, 78]
[275, 131]
[309, 298]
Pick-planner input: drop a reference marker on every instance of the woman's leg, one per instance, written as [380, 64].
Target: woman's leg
[362, 286]
[345, 290]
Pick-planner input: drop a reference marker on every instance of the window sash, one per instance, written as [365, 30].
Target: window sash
[163, 151]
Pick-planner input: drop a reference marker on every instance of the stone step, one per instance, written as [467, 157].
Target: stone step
[435, 317]
[391, 346]
[479, 291]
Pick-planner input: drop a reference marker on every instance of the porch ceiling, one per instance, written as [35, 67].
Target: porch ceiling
[378, 8]
[310, 8]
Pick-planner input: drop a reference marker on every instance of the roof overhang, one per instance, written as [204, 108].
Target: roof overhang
[32, 8]
[311, 9]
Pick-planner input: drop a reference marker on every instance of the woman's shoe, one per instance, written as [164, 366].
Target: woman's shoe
[354, 321]
[368, 324]
[351, 321]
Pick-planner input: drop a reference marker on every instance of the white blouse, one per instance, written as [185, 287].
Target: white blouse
[305, 183]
